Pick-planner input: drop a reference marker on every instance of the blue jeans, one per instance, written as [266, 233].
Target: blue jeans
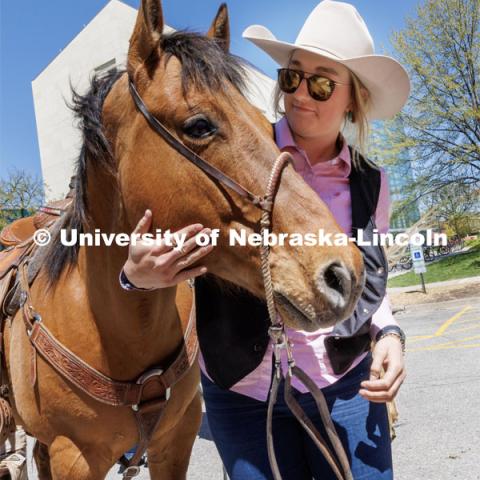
[238, 427]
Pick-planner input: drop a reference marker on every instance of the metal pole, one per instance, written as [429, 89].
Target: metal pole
[423, 283]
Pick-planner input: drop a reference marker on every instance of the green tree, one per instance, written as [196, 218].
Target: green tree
[440, 125]
[454, 206]
[20, 194]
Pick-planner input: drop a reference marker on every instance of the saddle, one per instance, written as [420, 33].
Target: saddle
[23, 229]
[18, 238]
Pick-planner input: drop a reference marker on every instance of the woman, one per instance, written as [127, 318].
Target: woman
[329, 77]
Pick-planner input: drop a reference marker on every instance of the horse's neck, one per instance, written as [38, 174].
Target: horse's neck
[136, 329]
[139, 327]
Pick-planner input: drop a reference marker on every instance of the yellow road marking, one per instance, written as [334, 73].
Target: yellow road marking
[456, 330]
[418, 338]
[447, 323]
[442, 328]
[447, 347]
[468, 320]
[460, 341]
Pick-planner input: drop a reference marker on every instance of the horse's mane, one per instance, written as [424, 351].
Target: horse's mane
[204, 64]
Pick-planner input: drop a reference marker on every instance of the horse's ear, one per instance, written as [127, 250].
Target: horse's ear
[220, 29]
[146, 34]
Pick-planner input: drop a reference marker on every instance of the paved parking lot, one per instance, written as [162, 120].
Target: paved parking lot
[439, 426]
[438, 433]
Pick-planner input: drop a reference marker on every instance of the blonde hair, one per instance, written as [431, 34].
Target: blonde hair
[357, 120]
[358, 117]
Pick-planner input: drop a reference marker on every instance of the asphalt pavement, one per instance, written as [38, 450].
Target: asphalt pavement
[438, 432]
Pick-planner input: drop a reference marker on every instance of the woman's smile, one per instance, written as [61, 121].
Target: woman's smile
[302, 109]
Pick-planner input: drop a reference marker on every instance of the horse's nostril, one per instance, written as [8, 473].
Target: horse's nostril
[333, 279]
[337, 283]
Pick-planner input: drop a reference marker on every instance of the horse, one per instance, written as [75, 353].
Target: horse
[75, 315]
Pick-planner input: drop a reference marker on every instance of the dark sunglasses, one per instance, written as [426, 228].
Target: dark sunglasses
[320, 88]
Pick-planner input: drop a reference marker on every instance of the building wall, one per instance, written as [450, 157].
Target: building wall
[399, 177]
[103, 42]
[104, 38]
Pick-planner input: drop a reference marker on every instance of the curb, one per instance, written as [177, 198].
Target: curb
[458, 281]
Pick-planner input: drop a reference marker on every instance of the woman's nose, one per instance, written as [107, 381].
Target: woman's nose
[302, 90]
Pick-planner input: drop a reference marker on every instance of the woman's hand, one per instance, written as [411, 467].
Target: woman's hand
[388, 354]
[160, 265]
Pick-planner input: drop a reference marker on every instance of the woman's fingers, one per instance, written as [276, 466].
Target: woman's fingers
[163, 264]
[384, 383]
[143, 226]
[182, 256]
[385, 394]
[387, 354]
[190, 258]
[187, 274]
[176, 260]
[187, 233]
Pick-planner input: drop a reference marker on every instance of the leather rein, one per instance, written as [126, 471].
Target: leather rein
[340, 465]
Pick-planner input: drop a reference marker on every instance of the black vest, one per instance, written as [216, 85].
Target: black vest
[232, 325]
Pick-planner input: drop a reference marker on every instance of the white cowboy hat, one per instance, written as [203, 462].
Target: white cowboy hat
[336, 30]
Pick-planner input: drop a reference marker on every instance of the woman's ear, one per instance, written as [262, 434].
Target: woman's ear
[349, 115]
[364, 93]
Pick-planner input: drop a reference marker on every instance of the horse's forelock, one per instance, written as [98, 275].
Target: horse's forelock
[204, 62]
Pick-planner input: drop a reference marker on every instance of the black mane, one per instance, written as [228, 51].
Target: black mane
[204, 64]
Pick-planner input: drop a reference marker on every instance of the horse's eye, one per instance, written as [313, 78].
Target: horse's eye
[199, 127]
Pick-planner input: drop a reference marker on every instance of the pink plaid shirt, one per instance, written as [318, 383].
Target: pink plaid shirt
[330, 180]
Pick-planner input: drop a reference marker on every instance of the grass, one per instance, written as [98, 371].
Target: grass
[462, 265]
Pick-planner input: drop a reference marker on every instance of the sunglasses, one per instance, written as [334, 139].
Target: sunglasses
[320, 88]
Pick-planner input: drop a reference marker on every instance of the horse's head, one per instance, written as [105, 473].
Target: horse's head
[193, 86]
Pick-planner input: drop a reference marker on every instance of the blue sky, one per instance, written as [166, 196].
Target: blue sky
[33, 32]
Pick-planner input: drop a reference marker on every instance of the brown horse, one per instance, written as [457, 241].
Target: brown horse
[193, 85]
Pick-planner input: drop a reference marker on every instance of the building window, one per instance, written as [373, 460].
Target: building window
[107, 67]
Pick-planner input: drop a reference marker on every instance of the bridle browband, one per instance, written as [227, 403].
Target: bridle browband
[339, 465]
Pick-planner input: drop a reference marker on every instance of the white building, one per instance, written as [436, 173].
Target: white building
[100, 46]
